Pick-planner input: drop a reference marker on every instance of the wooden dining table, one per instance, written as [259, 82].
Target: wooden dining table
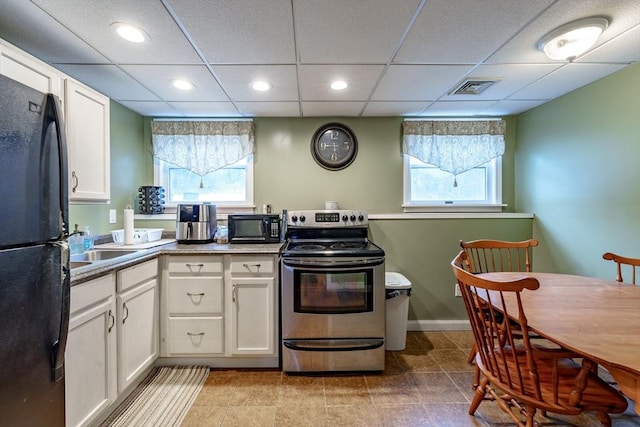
[597, 319]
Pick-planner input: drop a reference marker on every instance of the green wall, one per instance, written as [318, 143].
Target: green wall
[286, 176]
[578, 170]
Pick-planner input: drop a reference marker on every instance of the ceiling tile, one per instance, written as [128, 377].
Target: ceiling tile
[240, 31]
[623, 48]
[565, 79]
[310, 109]
[151, 108]
[236, 80]
[111, 80]
[52, 42]
[315, 81]
[418, 82]
[158, 79]
[350, 32]
[459, 109]
[507, 107]
[391, 108]
[437, 36]
[167, 46]
[206, 109]
[269, 109]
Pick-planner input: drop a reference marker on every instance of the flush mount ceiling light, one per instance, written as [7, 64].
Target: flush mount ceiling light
[339, 85]
[260, 85]
[130, 32]
[182, 84]
[571, 40]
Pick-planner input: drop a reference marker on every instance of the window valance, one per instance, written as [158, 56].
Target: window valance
[454, 146]
[202, 146]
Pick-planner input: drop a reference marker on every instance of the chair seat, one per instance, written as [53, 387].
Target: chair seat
[598, 395]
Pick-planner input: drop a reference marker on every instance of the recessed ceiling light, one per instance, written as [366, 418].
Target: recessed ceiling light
[339, 85]
[130, 32]
[573, 39]
[260, 85]
[182, 84]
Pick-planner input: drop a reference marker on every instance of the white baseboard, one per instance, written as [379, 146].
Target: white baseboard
[438, 325]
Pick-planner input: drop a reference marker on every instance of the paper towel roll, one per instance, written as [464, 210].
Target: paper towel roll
[128, 225]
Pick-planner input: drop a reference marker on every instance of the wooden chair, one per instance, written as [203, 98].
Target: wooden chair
[528, 377]
[633, 265]
[486, 256]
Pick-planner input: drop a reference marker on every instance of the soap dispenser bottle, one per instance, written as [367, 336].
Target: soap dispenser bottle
[88, 239]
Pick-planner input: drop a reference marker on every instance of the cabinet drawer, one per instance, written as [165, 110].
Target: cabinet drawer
[189, 295]
[131, 276]
[195, 265]
[242, 265]
[91, 292]
[196, 335]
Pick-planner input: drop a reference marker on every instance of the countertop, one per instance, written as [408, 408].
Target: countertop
[88, 272]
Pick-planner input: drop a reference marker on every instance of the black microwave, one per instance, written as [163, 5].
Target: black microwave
[254, 228]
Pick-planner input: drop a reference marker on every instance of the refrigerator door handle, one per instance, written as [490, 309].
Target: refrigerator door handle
[54, 114]
[60, 345]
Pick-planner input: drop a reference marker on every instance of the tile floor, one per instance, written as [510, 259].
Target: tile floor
[427, 384]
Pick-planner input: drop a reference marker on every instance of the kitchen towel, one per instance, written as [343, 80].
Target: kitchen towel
[128, 225]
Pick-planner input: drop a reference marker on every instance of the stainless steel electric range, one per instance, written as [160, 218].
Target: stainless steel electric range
[333, 295]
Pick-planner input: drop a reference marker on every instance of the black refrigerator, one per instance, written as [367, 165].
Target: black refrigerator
[34, 257]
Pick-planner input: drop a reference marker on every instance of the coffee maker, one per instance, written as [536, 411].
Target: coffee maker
[196, 223]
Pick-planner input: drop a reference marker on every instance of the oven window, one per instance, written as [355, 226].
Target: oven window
[333, 292]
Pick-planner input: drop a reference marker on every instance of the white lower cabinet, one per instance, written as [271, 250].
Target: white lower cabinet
[137, 311]
[221, 307]
[253, 305]
[90, 366]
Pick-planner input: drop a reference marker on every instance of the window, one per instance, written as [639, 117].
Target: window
[204, 161]
[428, 188]
[229, 186]
[453, 165]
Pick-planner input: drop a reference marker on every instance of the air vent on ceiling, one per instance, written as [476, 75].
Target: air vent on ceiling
[473, 86]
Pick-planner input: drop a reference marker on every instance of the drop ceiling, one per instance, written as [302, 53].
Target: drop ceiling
[400, 57]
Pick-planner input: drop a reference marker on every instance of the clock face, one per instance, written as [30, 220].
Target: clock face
[334, 146]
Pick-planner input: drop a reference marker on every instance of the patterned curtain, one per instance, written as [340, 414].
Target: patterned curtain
[202, 146]
[454, 146]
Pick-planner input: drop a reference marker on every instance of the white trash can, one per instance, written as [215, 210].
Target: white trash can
[398, 290]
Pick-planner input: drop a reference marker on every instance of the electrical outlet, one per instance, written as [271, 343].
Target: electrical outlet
[112, 216]
[457, 290]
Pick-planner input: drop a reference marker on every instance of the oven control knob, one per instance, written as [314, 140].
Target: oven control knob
[294, 218]
[352, 218]
[360, 217]
[345, 218]
[302, 218]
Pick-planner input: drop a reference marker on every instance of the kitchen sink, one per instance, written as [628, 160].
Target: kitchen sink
[99, 255]
[78, 264]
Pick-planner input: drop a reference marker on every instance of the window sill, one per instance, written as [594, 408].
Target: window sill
[451, 215]
[492, 208]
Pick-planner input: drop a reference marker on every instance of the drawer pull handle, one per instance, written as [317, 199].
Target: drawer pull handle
[191, 266]
[199, 334]
[248, 267]
[201, 294]
[113, 321]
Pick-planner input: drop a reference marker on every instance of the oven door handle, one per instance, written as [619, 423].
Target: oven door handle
[334, 345]
[333, 262]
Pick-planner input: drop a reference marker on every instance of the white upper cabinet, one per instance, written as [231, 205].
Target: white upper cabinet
[29, 71]
[88, 139]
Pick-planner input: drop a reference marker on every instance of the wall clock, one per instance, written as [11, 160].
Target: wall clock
[334, 146]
